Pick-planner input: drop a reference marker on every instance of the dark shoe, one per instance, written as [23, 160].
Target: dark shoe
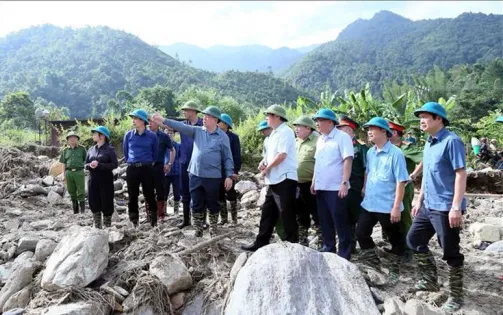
[97, 220]
[252, 247]
[82, 206]
[75, 206]
[186, 216]
[107, 221]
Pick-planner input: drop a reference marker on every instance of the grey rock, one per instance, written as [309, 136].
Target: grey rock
[44, 249]
[121, 290]
[261, 198]
[30, 190]
[416, 307]
[249, 198]
[16, 311]
[14, 212]
[245, 186]
[496, 247]
[12, 224]
[27, 243]
[78, 308]
[19, 300]
[118, 184]
[58, 189]
[172, 272]
[5, 271]
[20, 277]
[274, 281]
[393, 306]
[53, 197]
[41, 224]
[379, 295]
[238, 264]
[48, 180]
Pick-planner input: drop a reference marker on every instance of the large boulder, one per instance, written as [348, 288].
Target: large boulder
[172, 272]
[249, 198]
[245, 186]
[485, 232]
[495, 247]
[293, 279]
[56, 168]
[80, 258]
[20, 277]
[30, 190]
[20, 299]
[27, 243]
[44, 249]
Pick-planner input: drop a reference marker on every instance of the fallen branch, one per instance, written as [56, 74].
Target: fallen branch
[203, 244]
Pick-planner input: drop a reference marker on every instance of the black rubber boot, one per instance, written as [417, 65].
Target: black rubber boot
[107, 221]
[75, 206]
[82, 206]
[186, 216]
[97, 220]
[224, 216]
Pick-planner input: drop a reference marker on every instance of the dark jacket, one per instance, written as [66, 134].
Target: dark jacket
[236, 150]
[106, 157]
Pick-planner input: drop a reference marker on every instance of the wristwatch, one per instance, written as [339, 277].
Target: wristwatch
[345, 182]
[455, 209]
[170, 164]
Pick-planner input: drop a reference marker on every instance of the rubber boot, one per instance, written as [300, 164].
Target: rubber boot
[107, 221]
[153, 217]
[234, 211]
[82, 206]
[161, 209]
[75, 206]
[186, 216]
[394, 270]
[224, 216]
[176, 207]
[353, 239]
[319, 242]
[456, 295]
[205, 222]
[427, 272]
[370, 258]
[303, 233]
[213, 224]
[147, 210]
[97, 220]
[198, 223]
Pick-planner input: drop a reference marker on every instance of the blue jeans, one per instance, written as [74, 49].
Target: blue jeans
[333, 215]
[204, 192]
[425, 225]
[172, 180]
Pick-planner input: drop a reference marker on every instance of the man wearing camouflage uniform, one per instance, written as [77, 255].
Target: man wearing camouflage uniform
[73, 158]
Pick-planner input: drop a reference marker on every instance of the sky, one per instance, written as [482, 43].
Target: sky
[271, 23]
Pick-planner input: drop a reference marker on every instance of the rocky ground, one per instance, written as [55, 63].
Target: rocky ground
[52, 262]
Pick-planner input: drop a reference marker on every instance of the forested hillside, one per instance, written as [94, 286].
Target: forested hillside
[84, 68]
[389, 46]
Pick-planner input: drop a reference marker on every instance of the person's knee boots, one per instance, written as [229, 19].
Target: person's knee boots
[224, 216]
[186, 215]
[303, 233]
[198, 224]
[456, 295]
[176, 207]
[82, 206]
[427, 272]
[234, 211]
[161, 209]
[75, 206]
[97, 220]
[213, 224]
[107, 221]
[319, 241]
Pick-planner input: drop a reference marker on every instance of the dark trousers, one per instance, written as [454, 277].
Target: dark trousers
[306, 207]
[354, 206]
[333, 214]
[366, 224]
[172, 180]
[425, 225]
[158, 173]
[230, 195]
[101, 192]
[184, 180]
[135, 176]
[204, 193]
[279, 203]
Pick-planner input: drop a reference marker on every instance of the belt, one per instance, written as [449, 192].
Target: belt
[139, 164]
[75, 169]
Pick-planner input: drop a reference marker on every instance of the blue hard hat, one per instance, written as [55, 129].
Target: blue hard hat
[103, 130]
[326, 113]
[433, 108]
[141, 114]
[226, 119]
[262, 125]
[499, 119]
[381, 123]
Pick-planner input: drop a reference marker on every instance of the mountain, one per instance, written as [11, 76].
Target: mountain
[83, 68]
[242, 58]
[389, 46]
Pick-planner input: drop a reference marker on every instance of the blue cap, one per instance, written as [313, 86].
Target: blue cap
[381, 123]
[141, 114]
[226, 119]
[499, 119]
[262, 125]
[103, 130]
[433, 108]
[325, 113]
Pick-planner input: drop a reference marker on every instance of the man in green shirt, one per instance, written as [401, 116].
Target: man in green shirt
[73, 158]
[306, 202]
[413, 158]
[355, 195]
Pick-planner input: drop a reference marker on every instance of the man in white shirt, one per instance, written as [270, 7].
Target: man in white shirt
[332, 169]
[280, 172]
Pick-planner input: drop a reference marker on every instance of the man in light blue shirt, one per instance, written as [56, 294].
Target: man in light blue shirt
[386, 176]
[440, 205]
[211, 154]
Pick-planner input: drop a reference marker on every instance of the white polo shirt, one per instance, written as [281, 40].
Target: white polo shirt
[331, 150]
[281, 140]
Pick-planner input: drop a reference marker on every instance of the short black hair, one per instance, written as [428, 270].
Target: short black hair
[399, 133]
[283, 119]
[434, 116]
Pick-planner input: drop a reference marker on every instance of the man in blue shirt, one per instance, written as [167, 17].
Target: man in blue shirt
[440, 205]
[141, 148]
[160, 168]
[172, 177]
[212, 153]
[385, 179]
[226, 125]
[190, 110]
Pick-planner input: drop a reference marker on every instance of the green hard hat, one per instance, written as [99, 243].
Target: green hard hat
[212, 111]
[72, 134]
[276, 110]
[192, 105]
[305, 121]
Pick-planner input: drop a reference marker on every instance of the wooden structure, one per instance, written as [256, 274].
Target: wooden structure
[58, 125]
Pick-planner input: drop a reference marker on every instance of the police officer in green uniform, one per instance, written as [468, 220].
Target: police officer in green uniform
[73, 158]
[413, 158]
[355, 195]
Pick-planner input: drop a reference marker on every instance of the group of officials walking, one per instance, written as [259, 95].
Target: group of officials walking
[318, 175]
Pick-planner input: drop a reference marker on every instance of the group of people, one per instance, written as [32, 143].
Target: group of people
[318, 173]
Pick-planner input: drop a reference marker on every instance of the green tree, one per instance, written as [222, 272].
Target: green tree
[19, 108]
[160, 98]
